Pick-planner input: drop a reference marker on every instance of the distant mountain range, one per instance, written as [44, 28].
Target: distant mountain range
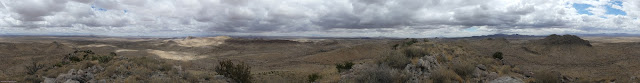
[609, 35]
[531, 36]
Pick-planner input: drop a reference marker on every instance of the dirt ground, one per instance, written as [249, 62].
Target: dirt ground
[292, 60]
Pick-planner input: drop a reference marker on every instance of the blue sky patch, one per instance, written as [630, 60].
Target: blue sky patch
[472, 29]
[582, 8]
[614, 11]
[97, 8]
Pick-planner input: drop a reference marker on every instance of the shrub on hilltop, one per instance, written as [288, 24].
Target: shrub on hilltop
[238, 72]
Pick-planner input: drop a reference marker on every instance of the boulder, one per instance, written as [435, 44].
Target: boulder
[71, 81]
[481, 67]
[506, 79]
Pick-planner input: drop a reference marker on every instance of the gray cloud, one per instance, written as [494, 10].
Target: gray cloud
[34, 10]
[392, 17]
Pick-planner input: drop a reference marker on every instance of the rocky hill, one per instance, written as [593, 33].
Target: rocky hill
[563, 40]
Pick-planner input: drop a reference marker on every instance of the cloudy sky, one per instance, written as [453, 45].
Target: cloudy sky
[340, 18]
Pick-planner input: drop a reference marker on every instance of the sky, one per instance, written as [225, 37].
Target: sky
[318, 18]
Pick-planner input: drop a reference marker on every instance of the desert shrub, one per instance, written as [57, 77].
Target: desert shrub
[33, 67]
[104, 59]
[497, 55]
[239, 72]
[410, 42]
[112, 54]
[60, 64]
[381, 74]
[165, 67]
[463, 69]
[395, 46]
[547, 77]
[443, 75]
[414, 52]
[425, 40]
[344, 66]
[84, 51]
[396, 60]
[313, 77]
[75, 59]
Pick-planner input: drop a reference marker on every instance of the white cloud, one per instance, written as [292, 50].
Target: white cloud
[400, 18]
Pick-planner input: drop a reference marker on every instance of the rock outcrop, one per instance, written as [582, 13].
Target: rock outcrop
[506, 79]
[422, 69]
[78, 76]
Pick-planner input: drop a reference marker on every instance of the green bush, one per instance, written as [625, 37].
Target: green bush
[410, 42]
[497, 55]
[313, 77]
[75, 59]
[104, 59]
[239, 73]
[345, 66]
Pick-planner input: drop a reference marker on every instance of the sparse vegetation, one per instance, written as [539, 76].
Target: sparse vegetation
[443, 75]
[547, 77]
[60, 64]
[497, 55]
[344, 66]
[314, 77]
[381, 74]
[239, 73]
[414, 52]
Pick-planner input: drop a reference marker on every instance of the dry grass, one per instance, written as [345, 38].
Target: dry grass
[414, 51]
[464, 69]
[547, 77]
[443, 75]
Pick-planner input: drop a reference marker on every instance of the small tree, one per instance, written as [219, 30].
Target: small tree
[497, 55]
[239, 73]
[33, 67]
[314, 77]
